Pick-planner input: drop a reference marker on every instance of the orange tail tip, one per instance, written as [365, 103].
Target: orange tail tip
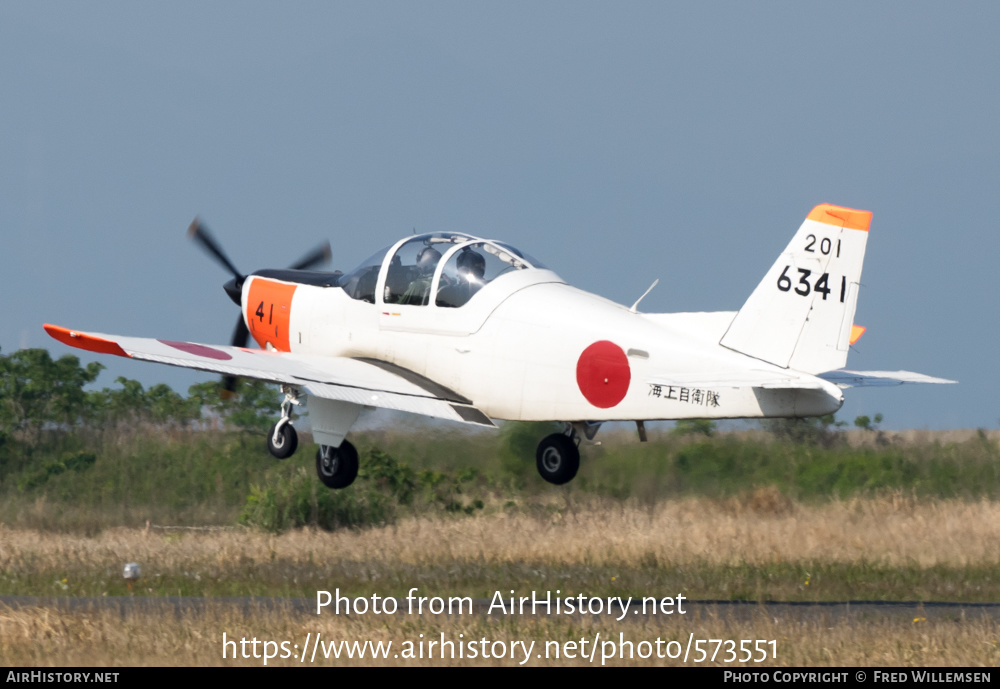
[856, 332]
[80, 340]
[848, 218]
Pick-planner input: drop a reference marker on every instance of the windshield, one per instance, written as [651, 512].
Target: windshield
[535, 263]
[360, 282]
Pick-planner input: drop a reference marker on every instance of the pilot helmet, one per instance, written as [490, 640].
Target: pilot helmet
[472, 262]
[427, 259]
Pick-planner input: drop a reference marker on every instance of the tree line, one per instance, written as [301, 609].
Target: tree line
[41, 396]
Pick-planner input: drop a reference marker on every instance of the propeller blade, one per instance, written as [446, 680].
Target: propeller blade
[240, 338]
[241, 335]
[228, 390]
[321, 254]
[198, 232]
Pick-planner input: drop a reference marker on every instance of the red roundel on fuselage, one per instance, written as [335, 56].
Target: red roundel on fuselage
[603, 374]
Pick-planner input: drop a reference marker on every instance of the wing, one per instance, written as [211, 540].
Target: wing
[367, 382]
[857, 379]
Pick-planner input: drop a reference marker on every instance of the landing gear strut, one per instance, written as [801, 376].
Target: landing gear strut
[337, 466]
[282, 440]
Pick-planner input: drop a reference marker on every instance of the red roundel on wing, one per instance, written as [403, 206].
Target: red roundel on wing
[198, 350]
[603, 374]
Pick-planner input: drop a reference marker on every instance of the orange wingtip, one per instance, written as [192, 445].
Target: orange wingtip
[856, 332]
[84, 341]
[841, 217]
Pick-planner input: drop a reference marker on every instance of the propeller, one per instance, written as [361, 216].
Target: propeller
[199, 233]
[240, 338]
[234, 287]
[321, 254]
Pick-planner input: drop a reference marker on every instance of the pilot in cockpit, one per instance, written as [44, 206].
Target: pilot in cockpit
[420, 288]
[471, 270]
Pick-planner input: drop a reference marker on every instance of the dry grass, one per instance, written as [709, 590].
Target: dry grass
[760, 528]
[41, 637]
[759, 545]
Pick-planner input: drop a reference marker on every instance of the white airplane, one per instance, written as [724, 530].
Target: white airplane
[468, 329]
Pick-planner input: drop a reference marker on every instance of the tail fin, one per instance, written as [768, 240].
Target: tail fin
[801, 314]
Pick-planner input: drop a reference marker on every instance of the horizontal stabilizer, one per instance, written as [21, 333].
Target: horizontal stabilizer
[740, 379]
[858, 379]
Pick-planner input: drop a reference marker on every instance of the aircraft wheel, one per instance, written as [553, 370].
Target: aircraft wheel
[288, 441]
[337, 466]
[558, 458]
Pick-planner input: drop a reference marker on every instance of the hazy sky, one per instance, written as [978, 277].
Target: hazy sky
[617, 142]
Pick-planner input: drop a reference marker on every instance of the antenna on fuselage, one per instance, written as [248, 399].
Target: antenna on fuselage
[655, 282]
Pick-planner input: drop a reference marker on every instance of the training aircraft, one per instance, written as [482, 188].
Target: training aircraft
[467, 329]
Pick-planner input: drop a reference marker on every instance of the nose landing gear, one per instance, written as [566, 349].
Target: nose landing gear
[282, 440]
[336, 459]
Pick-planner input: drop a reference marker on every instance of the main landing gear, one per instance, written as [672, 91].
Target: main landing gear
[558, 455]
[558, 458]
[337, 467]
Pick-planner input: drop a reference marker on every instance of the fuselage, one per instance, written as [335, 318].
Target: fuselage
[525, 346]
[456, 327]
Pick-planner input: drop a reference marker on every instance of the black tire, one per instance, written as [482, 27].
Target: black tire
[288, 441]
[558, 459]
[340, 468]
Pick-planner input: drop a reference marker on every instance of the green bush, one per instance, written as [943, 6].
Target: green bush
[705, 427]
[518, 442]
[383, 486]
[391, 477]
[300, 500]
[70, 461]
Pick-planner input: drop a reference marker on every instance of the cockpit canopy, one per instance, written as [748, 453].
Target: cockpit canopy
[451, 266]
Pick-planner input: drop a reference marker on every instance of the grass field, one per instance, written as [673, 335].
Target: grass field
[761, 547]
[731, 518]
[41, 637]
